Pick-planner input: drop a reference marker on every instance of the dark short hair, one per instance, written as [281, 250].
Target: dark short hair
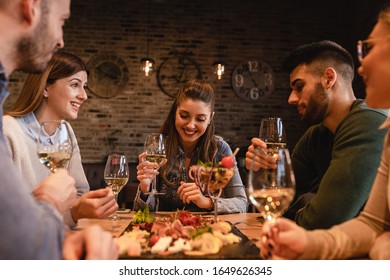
[327, 53]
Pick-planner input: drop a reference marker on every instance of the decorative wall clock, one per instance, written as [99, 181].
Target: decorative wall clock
[108, 75]
[175, 71]
[253, 80]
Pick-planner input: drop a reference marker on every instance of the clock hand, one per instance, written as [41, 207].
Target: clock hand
[112, 76]
[253, 80]
[181, 75]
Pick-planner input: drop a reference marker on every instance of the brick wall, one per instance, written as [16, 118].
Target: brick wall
[261, 29]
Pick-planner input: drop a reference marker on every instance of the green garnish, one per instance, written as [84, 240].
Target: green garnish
[209, 164]
[200, 231]
[143, 216]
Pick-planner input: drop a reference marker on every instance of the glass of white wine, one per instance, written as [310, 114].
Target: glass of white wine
[155, 150]
[54, 145]
[272, 195]
[116, 175]
[272, 132]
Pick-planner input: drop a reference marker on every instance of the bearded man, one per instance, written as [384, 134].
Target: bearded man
[336, 160]
[31, 223]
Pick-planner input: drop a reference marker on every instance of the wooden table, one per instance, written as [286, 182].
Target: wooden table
[247, 223]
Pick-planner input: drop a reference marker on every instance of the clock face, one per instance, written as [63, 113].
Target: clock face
[108, 75]
[253, 80]
[175, 71]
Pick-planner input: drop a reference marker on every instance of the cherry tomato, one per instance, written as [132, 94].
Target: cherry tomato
[227, 162]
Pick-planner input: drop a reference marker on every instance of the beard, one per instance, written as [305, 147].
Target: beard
[317, 106]
[35, 51]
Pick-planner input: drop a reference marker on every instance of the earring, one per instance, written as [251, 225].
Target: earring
[45, 95]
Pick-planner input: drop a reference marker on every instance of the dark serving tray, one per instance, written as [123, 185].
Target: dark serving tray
[245, 249]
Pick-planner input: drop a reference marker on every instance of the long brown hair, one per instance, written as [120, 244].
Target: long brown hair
[384, 15]
[206, 148]
[61, 65]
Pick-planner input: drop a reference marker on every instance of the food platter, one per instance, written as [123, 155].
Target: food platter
[242, 249]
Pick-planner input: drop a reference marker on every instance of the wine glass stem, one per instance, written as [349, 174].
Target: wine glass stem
[115, 216]
[154, 190]
[215, 201]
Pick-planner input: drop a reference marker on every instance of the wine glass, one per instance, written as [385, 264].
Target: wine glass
[155, 150]
[54, 145]
[273, 134]
[272, 195]
[116, 175]
[211, 181]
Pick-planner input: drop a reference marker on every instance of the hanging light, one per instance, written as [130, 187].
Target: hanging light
[219, 69]
[147, 65]
[147, 62]
[219, 65]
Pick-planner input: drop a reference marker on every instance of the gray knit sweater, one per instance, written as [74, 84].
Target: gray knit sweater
[21, 135]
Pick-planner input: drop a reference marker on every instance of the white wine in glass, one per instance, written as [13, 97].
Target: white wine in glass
[155, 150]
[54, 145]
[272, 132]
[116, 175]
[272, 195]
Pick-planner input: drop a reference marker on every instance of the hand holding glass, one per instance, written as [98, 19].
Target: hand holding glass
[155, 150]
[116, 175]
[272, 195]
[273, 134]
[54, 145]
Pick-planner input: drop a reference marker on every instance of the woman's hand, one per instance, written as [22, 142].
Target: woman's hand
[146, 171]
[190, 192]
[284, 239]
[262, 159]
[95, 204]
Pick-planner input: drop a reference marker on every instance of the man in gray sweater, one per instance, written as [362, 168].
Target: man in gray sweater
[31, 224]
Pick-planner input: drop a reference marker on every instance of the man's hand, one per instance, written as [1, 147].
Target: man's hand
[58, 189]
[91, 243]
[262, 159]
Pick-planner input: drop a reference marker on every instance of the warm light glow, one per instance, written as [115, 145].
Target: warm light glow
[219, 69]
[147, 66]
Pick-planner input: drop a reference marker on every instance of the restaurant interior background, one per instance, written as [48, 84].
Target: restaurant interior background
[124, 105]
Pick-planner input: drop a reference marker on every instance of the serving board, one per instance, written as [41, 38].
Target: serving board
[245, 249]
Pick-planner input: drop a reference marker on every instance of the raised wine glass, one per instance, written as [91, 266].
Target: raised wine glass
[273, 134]
[272, 195]
[116, 175]
[54, 145]
[155, 150]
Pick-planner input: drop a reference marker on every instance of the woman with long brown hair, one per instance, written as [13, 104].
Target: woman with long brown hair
[56, 94]
[190, 137]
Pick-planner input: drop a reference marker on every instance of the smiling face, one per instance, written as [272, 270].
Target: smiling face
[65, 96]
[375, 69]
[191, 120]
[308, 95]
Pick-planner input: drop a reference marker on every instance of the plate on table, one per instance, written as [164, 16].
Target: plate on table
[244, 249]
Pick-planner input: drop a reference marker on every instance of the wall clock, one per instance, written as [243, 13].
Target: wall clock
[175, 71]
[108, 75]
[253, 80]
